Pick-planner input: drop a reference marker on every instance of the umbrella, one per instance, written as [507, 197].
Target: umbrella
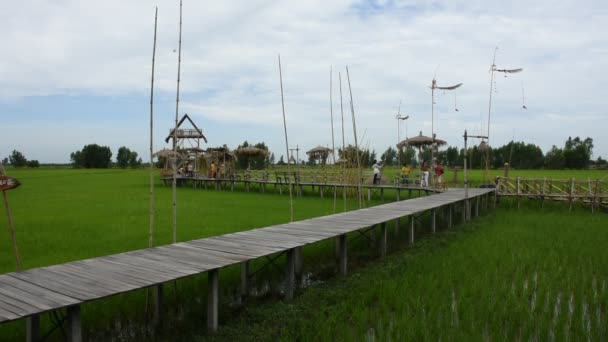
[166, 153]
[252, 151]
[319, 149]
[420, 141]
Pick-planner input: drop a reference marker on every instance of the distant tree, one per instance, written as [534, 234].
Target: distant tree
[577, 153]
[601, 163]
[5, 161]
[408, 155]
[17, 159]
[349, 153]
[281, 161]
[92, 156]
[389, 157]
[123, 157]
[451, 156]
[134, 162]
[33, 163]
[554, 159]
[271, 159]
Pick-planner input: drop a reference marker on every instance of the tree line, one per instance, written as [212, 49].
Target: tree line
[575, 154]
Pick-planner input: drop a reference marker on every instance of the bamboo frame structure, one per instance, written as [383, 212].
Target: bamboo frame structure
[286, 141]
[179, 64]
[151, 227]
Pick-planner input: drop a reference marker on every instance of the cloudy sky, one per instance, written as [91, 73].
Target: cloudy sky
[75, 72]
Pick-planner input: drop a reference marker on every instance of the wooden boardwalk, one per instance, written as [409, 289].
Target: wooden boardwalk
[280, 185]
[28, 294]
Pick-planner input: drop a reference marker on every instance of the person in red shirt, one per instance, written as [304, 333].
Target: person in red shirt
[439, 172]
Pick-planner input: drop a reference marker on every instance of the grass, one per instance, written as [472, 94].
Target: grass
[63, 215]
[477, 282]
[514, 275]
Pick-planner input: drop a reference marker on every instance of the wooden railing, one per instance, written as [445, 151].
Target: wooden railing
[593, 192]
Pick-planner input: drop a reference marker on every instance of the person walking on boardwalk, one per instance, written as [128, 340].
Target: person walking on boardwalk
[439, 172]
[213, 169]
[424, 169]
[376, 167]
[405, 174]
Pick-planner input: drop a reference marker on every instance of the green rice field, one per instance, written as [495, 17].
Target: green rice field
[512, 275]
[527, 273]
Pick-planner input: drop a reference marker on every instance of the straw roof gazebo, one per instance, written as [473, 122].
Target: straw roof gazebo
[251, 151]
[319, 153]
[421, 141]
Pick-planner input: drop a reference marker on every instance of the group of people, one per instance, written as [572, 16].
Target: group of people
[424, 171]
[186, 170]
[213, 170]
[405, 173]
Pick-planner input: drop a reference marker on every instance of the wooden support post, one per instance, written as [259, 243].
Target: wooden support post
[383, 239]
[290, 274]
[477, 199]
[433, 220]
[157, 297]
[382, 194]
[409, 195]
[33, 328]
[212, 300]
[518, 188]
[397, 226]
[343, 261]
[449, 216]
[74, 328]
[245, 278]
[299, 261]
[398, 194]
[464, 211]
[411, 229]
[372, 235]
[571, 192]
[369, 194]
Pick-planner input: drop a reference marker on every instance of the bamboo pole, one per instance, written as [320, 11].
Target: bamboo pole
[179, 64]
[333, 146]
[352, 110]
[11, 229]
[151, 228]
[343, 143]
[286, 141]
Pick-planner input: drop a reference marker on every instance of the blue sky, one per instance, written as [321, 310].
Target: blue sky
[78, 72]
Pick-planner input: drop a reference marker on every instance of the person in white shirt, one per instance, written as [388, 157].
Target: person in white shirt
[376, 167]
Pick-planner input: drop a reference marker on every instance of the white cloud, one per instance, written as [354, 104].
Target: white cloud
[230, 72]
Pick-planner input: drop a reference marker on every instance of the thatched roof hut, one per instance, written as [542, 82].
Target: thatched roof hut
[420, 141]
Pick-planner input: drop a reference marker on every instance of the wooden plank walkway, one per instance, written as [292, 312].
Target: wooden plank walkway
[27, 294]
[298, 187]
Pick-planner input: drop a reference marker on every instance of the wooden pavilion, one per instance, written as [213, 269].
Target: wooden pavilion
[188, 141]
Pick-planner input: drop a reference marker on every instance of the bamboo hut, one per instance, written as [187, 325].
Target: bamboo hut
[421, 141]
[319, 154]
[188, 141]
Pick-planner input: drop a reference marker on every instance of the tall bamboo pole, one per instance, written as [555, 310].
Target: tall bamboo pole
[343, 142]
[151, 228]
[331, 111]
[286, 141]
[352, 110]
[11, 229]
[492, 69]
[179, 64]
[11, 226]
